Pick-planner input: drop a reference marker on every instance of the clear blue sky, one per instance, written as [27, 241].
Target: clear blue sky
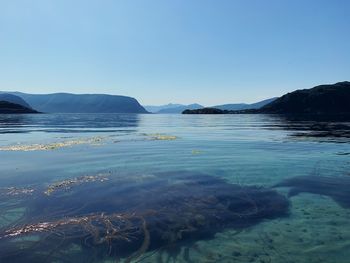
[183, 51]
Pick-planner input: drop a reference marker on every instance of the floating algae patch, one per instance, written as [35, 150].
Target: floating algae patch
[69, 183]
[124, 219]
[14, 191]
[161, 137]
[53, 146]
[336, 187]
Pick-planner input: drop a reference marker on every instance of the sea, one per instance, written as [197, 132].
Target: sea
[174, 188]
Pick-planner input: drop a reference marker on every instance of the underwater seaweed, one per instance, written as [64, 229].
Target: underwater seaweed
[131, 217]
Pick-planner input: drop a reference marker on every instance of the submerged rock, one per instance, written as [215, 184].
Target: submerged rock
[124, 218]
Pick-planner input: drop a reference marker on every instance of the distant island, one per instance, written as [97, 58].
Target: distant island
[329, 99]
[208, 111]
[13, 108]
[81, 103]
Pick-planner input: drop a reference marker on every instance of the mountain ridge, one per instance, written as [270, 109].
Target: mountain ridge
[326, 99]
[179, 108]
[321, 99]
[63, 102]
[244, 106]
[156, 108]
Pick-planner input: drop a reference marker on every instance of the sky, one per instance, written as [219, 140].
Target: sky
[180, 51]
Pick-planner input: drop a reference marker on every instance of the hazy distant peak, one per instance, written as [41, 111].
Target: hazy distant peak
[170, 107]
[244, 106]
[181, 108]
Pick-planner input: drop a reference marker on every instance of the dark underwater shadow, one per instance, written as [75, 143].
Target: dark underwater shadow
[126, 216]
[337, 188]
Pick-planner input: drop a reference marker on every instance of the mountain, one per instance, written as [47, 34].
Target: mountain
[14, 99]
[181, 108]
[178, 108]
[155, 109]
[81, 103]
[244, 106]
[13, 108]
[323, 99]
[228, 108]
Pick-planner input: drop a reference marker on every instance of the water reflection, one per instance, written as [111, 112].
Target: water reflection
[67, 123]
[318, 128]
[323, 129]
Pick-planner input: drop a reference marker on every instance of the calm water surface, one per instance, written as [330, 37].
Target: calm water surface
[173, 188]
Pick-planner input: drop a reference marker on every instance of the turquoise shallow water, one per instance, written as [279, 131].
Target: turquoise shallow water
[56, 168]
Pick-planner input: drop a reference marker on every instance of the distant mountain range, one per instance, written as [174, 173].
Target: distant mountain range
[155, 109]
[172, 108]
[179, 108]
[330, 99]
[324, 99]
[80, 103]
[244, 106]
